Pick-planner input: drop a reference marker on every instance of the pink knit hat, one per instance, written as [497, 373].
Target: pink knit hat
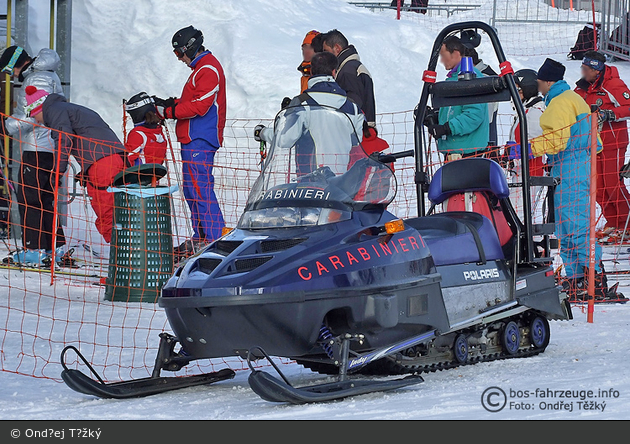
[34, 100]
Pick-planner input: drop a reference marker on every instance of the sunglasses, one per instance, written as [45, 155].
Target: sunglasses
[179, 52]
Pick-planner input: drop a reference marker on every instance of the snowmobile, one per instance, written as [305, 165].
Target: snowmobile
[320, 272]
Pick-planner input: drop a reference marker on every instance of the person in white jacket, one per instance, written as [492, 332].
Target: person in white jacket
[36, 191]
[325, 129]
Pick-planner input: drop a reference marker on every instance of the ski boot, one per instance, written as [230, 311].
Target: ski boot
[65, 259]
[602, 292]
[29, 257]
[575, 288]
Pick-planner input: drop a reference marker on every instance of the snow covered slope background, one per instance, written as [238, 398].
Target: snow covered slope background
[121, 47]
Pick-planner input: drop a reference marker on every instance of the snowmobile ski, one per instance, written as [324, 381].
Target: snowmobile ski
[273, 389]
[137, 388]
[166, 359]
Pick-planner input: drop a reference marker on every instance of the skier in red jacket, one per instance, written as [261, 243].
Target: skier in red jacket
[200, 116]
[600, 85]
[145, 142]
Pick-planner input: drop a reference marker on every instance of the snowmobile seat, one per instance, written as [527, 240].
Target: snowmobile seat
[466, 175]
[458, 237]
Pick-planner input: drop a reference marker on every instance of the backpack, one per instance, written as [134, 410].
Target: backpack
[585, 42]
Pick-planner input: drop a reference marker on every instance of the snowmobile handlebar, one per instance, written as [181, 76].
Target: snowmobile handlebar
[391, 158]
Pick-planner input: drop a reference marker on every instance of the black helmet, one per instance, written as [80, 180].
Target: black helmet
[139, 105]
[187, 41]
[527, 80]
[470, 38]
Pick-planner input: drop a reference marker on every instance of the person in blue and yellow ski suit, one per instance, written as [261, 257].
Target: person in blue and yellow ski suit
[566, 140]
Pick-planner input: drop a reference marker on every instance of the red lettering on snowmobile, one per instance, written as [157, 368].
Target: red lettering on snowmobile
[407, 244]
[351, 258]
[305, 277]
[321, 268]
[364, 254]
[334, 260]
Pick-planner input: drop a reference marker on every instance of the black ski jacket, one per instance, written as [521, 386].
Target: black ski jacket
[68, 120]
[354, 78]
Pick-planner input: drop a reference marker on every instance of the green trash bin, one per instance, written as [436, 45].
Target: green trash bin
[141, 248]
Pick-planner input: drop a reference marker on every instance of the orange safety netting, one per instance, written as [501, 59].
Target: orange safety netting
[42, 312]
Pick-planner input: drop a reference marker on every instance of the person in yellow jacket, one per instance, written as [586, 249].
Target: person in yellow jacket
[566, 140]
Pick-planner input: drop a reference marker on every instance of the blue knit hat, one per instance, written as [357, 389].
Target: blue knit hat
[551, 71]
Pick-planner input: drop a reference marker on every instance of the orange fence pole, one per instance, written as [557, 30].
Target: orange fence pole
[592, 241]
[57, 175]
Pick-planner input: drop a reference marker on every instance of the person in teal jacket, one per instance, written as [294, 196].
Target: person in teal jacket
[462, 130]
[566, 140]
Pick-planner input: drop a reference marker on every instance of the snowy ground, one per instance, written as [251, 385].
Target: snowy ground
[120, 48]
[580, 357]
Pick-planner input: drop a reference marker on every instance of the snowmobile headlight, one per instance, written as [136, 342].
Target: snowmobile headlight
[291, 217]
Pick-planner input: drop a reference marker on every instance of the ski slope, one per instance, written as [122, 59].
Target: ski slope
[121, 48]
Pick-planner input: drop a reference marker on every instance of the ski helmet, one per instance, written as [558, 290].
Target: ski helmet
[139, 105]
[470, 38]
[527, 81]
[187, 41]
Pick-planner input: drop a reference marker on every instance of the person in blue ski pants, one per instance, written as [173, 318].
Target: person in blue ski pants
[566, 139]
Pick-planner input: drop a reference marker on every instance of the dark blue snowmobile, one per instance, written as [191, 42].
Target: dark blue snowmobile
[319, 271]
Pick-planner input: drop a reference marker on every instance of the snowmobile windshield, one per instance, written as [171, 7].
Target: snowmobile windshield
[316, 171]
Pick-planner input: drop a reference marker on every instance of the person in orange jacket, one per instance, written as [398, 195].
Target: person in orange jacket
[308, 51]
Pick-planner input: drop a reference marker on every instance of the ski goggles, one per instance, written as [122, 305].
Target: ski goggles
[8, 69]
[180, 51]
[597, 65]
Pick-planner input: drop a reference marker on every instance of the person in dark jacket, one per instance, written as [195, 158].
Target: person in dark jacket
[81, 133]
[352, 75]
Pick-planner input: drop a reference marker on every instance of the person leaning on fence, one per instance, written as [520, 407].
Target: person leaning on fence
[35, 194]
[566, 140]
[81, 133]
[600, 85]
[462, 130]
[200, 116]
[145, 142]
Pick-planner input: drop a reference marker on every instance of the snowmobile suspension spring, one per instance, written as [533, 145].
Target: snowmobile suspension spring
[325, 340]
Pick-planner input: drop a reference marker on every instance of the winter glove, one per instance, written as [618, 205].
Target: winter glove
[165, 107]
[625, 171]
[438, 131]
[431, 117]
[257, 130]
[606, 115]
[285, 102]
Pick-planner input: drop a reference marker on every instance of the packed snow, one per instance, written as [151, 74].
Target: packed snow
[120, 48]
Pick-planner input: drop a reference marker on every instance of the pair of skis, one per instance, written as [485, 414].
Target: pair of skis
[262, 383]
